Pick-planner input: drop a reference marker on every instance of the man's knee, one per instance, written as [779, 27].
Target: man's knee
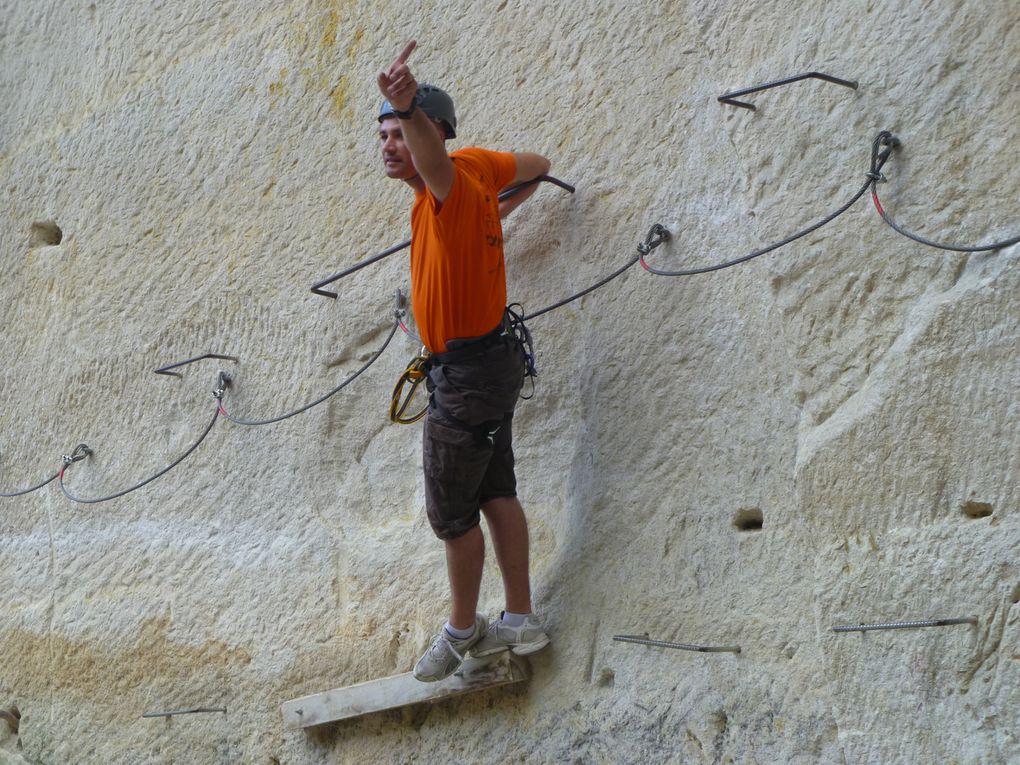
[450, 529]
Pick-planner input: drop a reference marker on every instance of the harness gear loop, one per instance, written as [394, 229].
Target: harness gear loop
[520, 332]
[414, 375]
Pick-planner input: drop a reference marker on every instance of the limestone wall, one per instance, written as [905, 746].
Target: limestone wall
[206, 162]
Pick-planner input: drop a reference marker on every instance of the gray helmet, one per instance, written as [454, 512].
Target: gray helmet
[435, 102]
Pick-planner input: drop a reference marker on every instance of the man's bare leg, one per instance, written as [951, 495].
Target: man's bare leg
[509, 530]
[465, 557]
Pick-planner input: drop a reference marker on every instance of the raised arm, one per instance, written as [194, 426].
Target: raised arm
[529, 166]
[421, 135]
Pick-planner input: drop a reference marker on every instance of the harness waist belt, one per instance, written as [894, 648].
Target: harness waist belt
[466, 349]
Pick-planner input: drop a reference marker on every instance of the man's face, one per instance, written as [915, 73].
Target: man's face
[396, 156]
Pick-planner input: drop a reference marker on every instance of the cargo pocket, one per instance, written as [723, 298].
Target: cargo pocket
[454, 458]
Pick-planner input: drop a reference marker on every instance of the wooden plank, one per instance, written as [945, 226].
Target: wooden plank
[401, 690]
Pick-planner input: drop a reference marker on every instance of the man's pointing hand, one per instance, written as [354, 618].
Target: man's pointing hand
[397, 84]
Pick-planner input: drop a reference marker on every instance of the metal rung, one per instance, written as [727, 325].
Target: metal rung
[731, 97]
[167, 369]
[192, 711]
[645, 640]
[906, 625]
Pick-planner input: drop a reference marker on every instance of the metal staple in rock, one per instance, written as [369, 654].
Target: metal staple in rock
[645, 640]
[906, 625]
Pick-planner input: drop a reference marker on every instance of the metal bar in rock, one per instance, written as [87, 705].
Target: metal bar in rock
[906, 625]
[644, 640]
[731, 97]
[193, 711]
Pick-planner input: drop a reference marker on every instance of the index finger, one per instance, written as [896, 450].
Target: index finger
[406, 52]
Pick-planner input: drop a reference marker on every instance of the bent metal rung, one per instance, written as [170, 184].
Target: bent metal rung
[317, 288]
[166, 369]
[645, 640]
[906, 625]
[191, 711]
[731, 97]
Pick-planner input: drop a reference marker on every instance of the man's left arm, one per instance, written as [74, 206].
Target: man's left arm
[529, 167]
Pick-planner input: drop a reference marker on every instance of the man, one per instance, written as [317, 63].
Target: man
[476, 366]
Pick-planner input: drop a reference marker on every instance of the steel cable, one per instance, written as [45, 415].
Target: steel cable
[582, 293]
[878, 159]
[317, 288]
[881, 149]
[306, 407]
[939, 245]
[149, 480]
[29, 491]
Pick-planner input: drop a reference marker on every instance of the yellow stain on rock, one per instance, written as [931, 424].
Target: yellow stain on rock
[328, 39]
[277, 89]
[77, 669]
[338, 96]
[352, 49]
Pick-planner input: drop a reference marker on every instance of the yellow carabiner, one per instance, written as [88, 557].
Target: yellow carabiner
[414, 375]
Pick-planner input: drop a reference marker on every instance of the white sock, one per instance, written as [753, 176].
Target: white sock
[512, 619]
[457, 634]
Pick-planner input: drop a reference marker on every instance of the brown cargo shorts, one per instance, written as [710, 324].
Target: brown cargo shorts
[467, 443]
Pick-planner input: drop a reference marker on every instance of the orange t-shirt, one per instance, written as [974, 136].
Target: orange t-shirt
[458, 277]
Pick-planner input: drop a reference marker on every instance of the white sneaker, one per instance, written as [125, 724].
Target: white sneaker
[528, 638]
[446, 654]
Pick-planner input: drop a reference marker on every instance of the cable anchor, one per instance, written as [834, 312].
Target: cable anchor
[222, 382]
[81, 451]
[400, 305]
[881, 149]
[658, 234]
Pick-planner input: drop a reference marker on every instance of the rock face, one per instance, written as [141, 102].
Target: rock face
[825, 435]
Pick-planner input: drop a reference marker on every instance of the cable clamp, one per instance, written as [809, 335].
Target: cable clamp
[400, 304]
[658, 234]
[881, 149]
[222, 382]
[81, 451]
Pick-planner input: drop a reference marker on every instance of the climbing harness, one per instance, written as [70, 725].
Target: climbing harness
[417, 370]
[415, 374]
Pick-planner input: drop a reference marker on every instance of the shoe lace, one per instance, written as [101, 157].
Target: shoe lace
[437, 646]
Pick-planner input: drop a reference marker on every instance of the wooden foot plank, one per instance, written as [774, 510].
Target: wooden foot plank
[402, 690]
